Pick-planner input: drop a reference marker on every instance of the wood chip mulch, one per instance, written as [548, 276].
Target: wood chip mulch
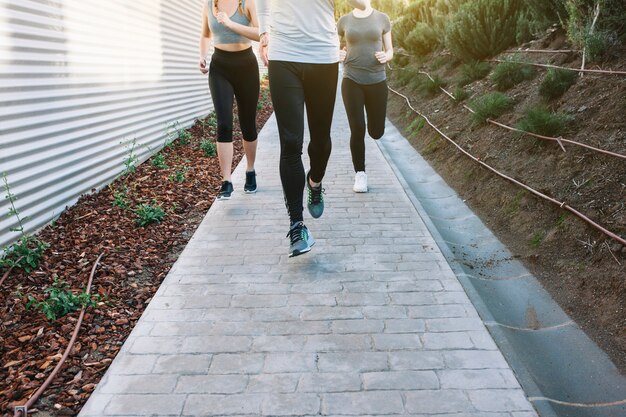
[136, 259]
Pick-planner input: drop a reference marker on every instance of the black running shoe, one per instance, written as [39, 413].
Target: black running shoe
[250, 186]
[315, 199]
[226, 191]
[301, 239]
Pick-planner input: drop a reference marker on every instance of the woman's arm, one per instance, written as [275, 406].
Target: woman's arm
[251, 32]
[205, 39]
[263, 16]
[388, 45]
[387, 55]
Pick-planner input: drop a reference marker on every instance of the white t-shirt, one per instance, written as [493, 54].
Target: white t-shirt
[300, 30]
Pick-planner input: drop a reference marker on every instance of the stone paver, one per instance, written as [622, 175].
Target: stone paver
[371, 322]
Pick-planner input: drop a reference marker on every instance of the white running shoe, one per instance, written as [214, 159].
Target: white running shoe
[360, 182]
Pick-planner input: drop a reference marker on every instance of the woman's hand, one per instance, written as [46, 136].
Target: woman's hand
[381, 57]
[342, 54]
[264, 43]
[224, 19]
[202, 66]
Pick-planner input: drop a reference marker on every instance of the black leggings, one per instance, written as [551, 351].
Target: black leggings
[294, 85]
[372, 98]
[234, 74]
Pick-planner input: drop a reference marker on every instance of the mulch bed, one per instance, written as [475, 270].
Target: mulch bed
[135, 261]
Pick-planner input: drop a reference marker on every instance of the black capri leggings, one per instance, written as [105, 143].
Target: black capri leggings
[293, 86]
[234, 74]
[372, 98]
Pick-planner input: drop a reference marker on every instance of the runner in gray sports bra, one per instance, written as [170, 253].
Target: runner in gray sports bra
[233, 72]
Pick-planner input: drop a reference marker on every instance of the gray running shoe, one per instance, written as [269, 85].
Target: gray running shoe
[315, 199]
[301, 239]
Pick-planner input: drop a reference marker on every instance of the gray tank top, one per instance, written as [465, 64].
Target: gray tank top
[223, 35]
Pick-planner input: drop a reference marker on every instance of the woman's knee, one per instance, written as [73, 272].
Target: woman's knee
[376, 132]
[224, 133]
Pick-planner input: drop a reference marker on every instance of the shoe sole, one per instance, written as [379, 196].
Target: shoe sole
[360, 190]
[250, 191]
[223, 197]
[302, 252]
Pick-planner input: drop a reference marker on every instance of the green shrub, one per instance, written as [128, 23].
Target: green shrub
[61, 301]
[401, 60]
[208, 147]
[432, 87]
[556, 83]
[473, 71]
[490, 106]
[158, 161]
[422, 40]
[542, 121]
[426, 87]
[24, 254]
[120, 198]
[460, 94]
[508, 74]
[405, 76]
[148, 214]
[483, 28]
[179, 176]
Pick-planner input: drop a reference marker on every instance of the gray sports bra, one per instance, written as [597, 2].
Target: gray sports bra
[223, 35]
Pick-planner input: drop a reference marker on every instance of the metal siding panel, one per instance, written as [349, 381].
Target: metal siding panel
[78, 77]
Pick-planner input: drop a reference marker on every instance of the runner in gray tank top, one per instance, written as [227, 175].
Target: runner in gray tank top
[303, 66]
[367, 34]
[233, 72]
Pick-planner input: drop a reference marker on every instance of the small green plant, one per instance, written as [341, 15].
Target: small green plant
[119, 198]
[179, 175]
[61, 301]
[149, 214]
[489, 106]
[562, 219]
[28, 250]
[433, 87]
[439, 62]
[158, 161]
[540, 120]
[473, 71]
[130, 161]
[208, 147]
[508, 74]
[184, 137]
[416, 125]
[211, 120]
[556, 83]
[177, 134]
[536, 240]
[460, 94]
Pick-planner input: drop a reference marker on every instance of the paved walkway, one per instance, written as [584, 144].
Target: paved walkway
[371, 322]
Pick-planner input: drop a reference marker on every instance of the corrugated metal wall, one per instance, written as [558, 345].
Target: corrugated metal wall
[78, 77]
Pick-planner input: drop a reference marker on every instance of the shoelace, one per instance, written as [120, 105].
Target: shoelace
[295, 233]
[316, 195]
